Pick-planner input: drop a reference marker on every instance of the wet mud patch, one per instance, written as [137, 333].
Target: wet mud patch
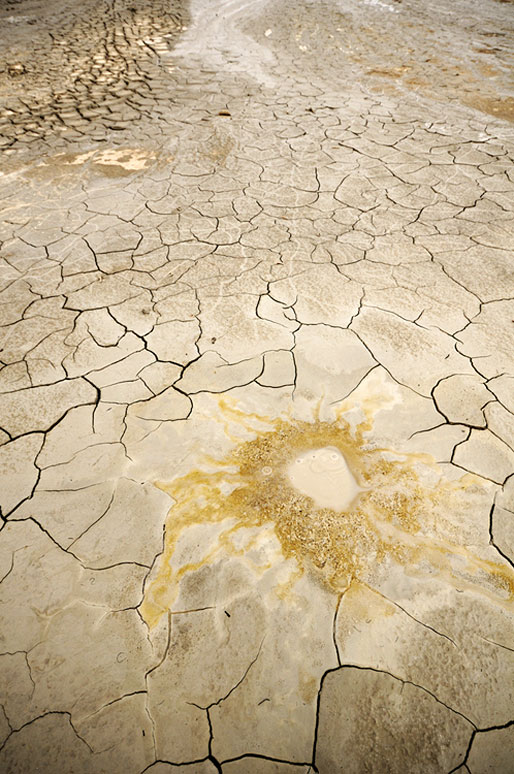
[117, 162]
[402, 510]
[498, 107]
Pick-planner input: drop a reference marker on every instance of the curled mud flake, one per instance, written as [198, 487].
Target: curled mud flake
[365, 507]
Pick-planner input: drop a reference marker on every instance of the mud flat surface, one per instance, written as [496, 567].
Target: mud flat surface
[256, 387]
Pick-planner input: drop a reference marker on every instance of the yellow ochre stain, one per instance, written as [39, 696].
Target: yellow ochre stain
[388, 520]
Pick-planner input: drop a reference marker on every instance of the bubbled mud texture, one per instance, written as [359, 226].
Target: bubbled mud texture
[256, 387]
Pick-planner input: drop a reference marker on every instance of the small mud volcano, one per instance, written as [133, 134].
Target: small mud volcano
[339, 506]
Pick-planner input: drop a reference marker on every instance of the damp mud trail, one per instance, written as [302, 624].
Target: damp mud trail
[256, 387]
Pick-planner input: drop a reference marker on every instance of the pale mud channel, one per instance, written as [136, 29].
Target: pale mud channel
[256, 387]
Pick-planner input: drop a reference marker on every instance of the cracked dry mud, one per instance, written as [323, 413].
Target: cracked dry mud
[239, 241]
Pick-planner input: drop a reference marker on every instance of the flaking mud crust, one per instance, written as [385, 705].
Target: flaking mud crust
[77, 72]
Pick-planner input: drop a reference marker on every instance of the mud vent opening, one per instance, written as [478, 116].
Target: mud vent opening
[340, 507]
[324, 475]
